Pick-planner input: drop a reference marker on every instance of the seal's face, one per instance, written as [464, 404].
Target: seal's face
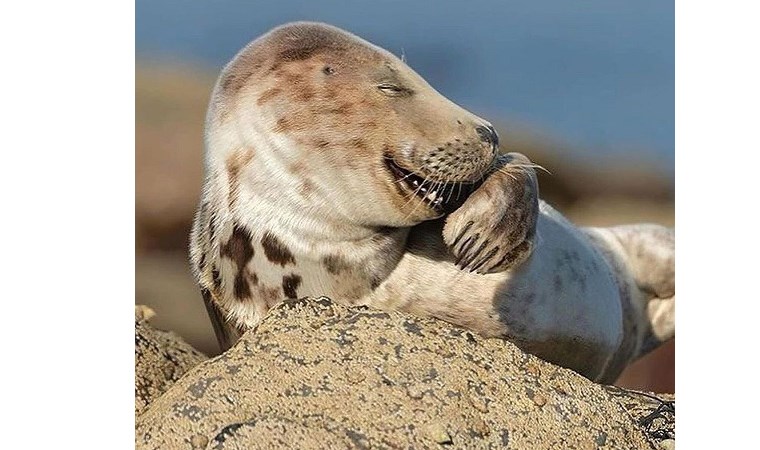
[358, 119]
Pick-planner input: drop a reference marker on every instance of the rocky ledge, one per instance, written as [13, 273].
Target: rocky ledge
[315, 374]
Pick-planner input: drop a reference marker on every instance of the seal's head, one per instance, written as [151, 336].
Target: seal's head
[339, 125]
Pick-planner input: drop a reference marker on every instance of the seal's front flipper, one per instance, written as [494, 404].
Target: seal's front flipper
[226, 333]
[494, 230]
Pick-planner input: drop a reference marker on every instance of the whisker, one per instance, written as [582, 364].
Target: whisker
[404, 177]
[506, 172]
[414, 195]
[526, 166]
[451, 191]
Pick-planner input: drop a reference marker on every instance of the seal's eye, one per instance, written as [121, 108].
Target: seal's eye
[393, 90]
[327, 70]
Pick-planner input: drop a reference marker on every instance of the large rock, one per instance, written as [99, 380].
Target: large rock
[161, 358]
[318, 375]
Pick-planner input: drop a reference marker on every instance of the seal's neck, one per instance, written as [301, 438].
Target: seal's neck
[267, 236]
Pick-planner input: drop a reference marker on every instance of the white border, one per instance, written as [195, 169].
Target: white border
[68, 224]
[717, 178]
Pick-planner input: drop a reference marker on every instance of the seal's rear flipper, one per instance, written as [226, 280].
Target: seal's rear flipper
[650, 257]
[226, 333]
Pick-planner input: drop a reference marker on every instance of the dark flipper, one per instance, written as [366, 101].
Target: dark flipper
[226, 334]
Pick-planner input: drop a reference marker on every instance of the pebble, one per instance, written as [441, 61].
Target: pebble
[478, 403]
[539, 400]
[416, 391]
[481, 427]
[437, 432]
[199, 441]
[354, 376]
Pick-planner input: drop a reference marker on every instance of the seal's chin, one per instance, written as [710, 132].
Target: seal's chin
[443, 197]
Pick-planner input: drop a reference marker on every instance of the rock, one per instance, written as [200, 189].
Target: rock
[144, 313]
[539, 400]
[654, 413]
[437, 432]
[315, 374]
[161, 358]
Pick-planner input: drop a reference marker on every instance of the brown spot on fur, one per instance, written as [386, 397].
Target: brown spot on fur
[342, 110]
[241, 288]
[302, 41]
[290, 285]
[276, 251]
[358, 143]
[293, 79]
[305, 94]
[298, 168]
[234, 81]
[283, 125]
[335, 264]
[238, 74]
[270, 295]
[300, 53]
[306, 188]
[235, 164]
[268, 95]
[239, 249]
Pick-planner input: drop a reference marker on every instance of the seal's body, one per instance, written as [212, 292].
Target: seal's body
[334, 169]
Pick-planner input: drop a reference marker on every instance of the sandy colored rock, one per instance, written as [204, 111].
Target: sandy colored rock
[161, 358]
[318, 375]
[436, 431]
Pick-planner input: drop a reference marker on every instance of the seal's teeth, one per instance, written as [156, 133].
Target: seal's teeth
[415, 183]
[432, 196]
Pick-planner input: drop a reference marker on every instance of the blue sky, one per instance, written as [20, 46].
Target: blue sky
[597, 75]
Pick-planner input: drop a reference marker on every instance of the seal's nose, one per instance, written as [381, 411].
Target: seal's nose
[488, 134]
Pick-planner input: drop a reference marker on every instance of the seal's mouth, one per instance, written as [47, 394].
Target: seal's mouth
[443, 197]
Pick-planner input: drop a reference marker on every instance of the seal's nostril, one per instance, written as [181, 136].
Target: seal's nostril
[488, 134]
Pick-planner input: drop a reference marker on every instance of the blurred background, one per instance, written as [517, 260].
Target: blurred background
[584, 88]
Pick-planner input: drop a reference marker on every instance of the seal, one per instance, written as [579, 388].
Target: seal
[332, 168]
